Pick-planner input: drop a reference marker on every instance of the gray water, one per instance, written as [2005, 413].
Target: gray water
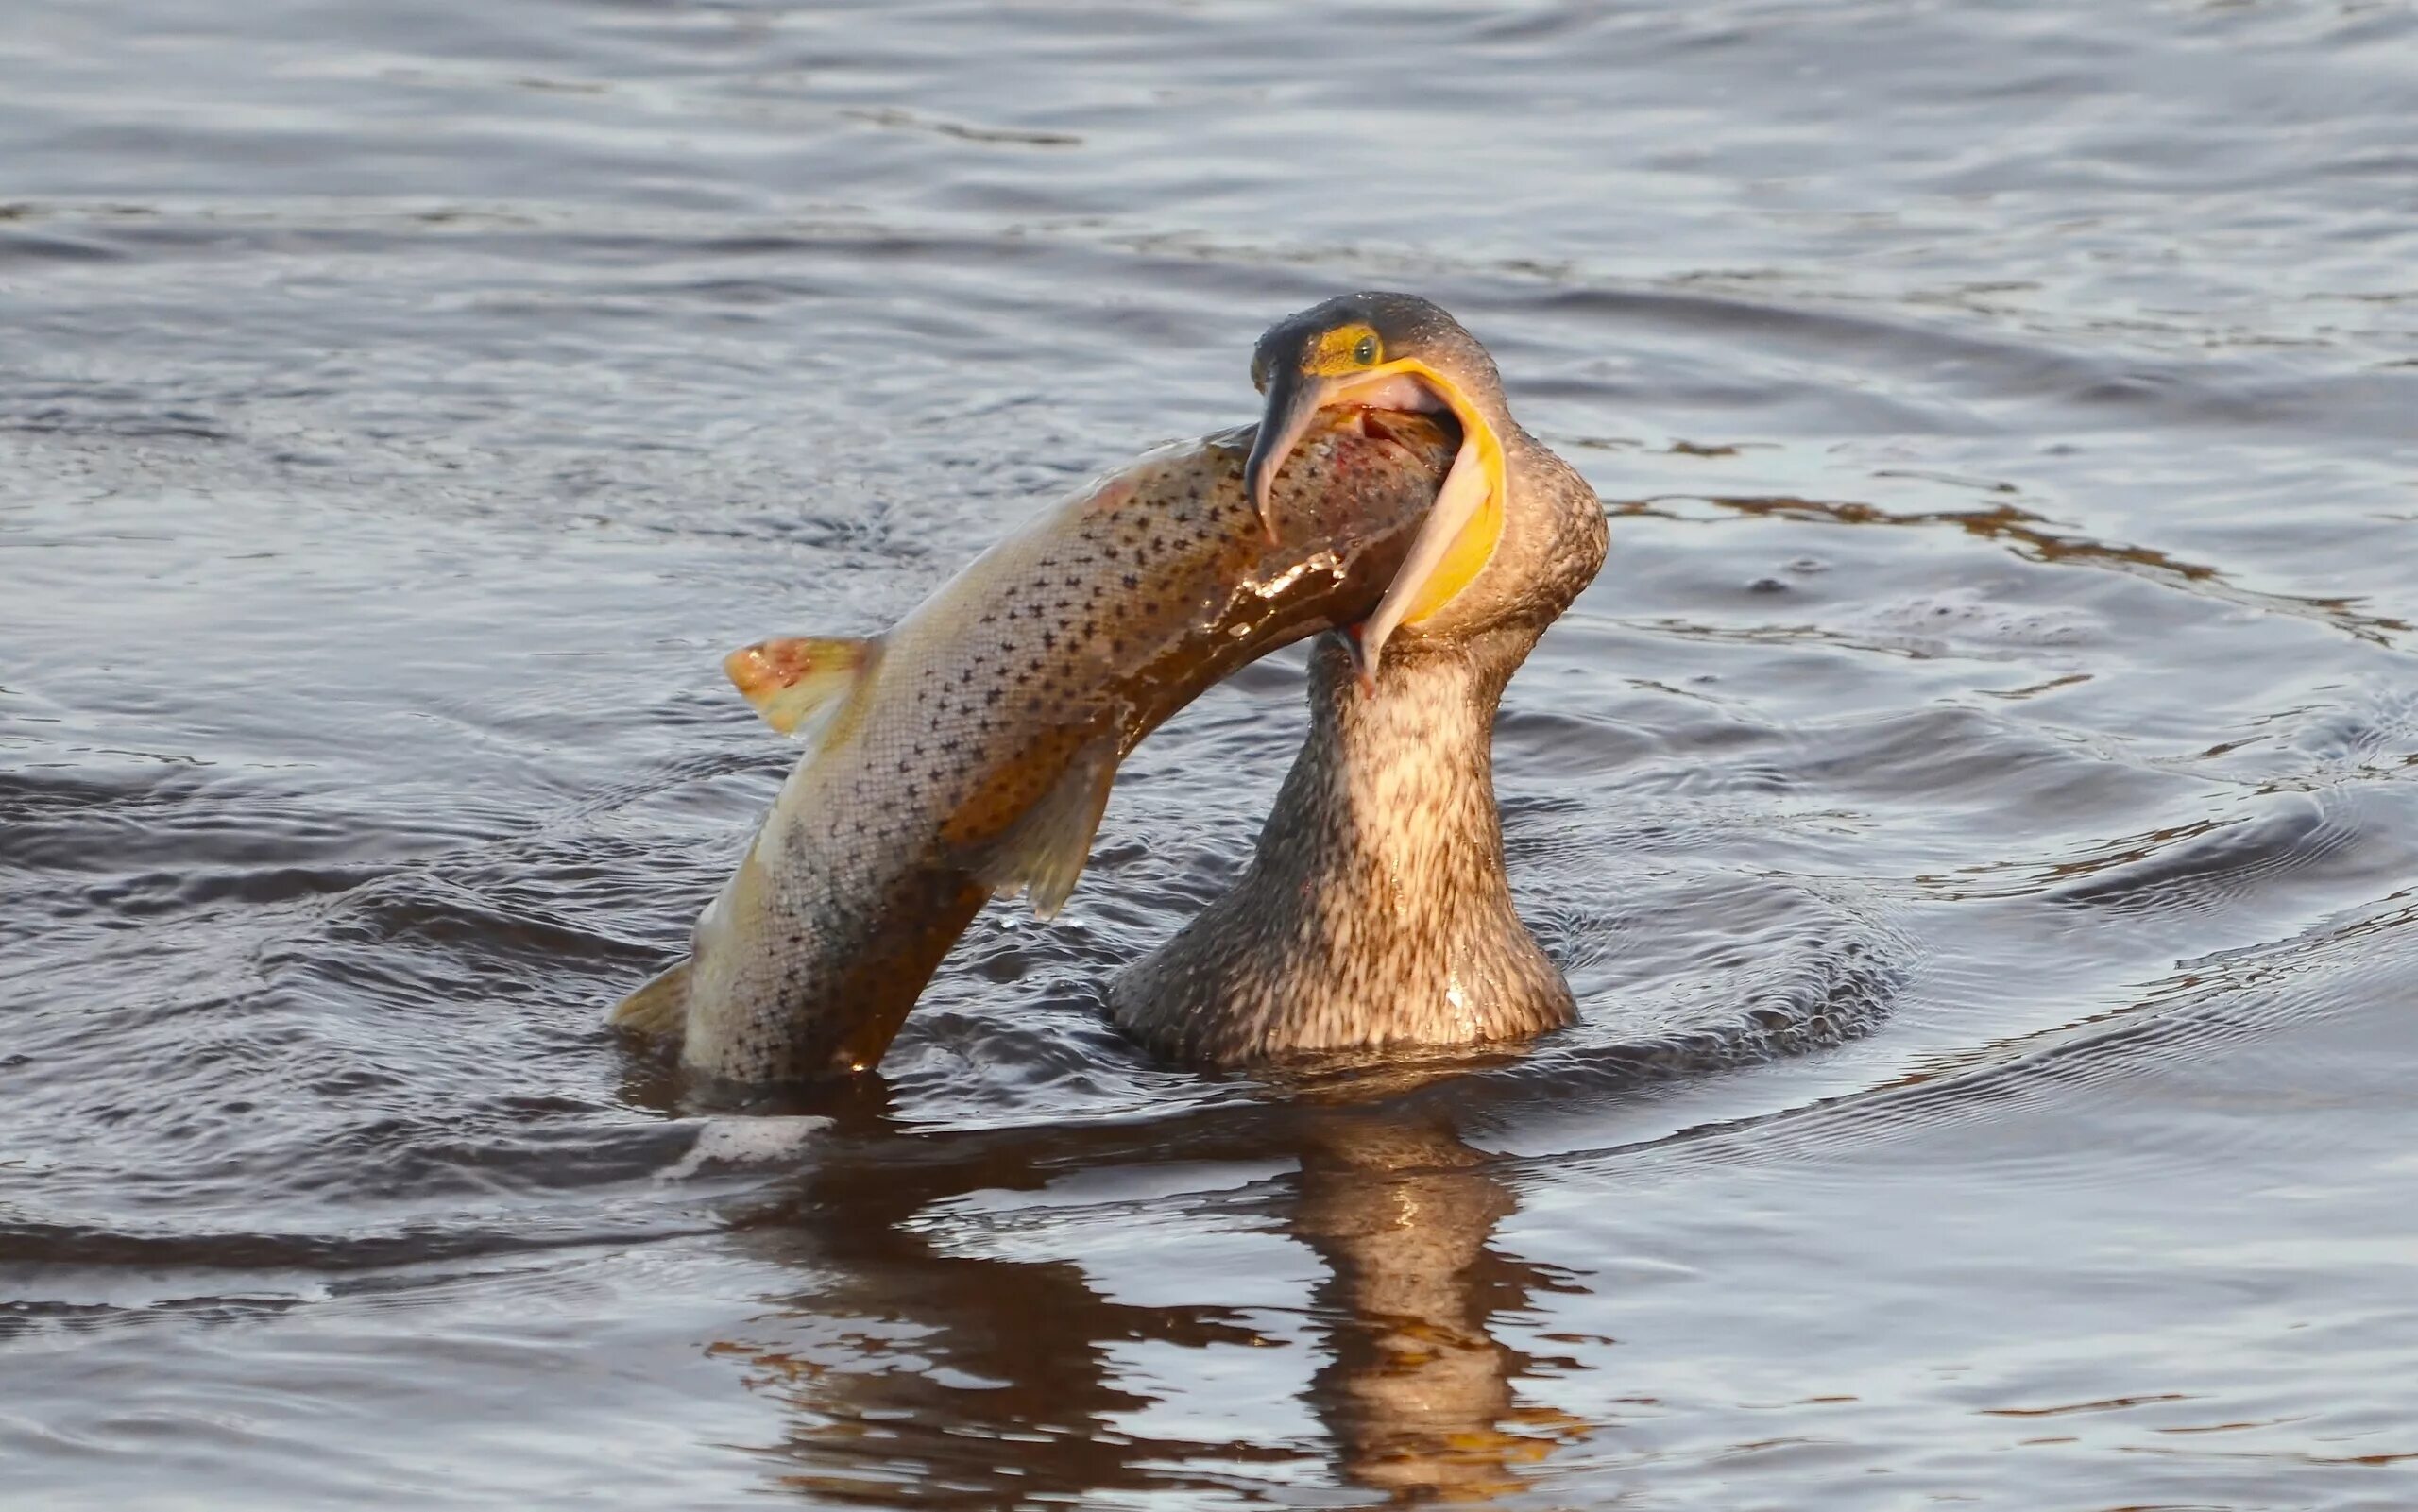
[1973, 805]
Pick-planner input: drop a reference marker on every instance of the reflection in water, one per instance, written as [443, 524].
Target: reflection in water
[1416, 1390]
[921, 1375]
[922, 1378]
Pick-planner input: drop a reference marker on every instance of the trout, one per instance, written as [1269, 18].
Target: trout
[968, 752]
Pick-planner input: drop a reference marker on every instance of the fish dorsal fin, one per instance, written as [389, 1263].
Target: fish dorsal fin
[1044, 850]
[797, 682]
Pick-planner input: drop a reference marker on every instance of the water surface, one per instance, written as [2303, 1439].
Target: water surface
[1974, 803]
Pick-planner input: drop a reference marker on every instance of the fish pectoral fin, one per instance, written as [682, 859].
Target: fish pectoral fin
[793, 681]
[1043, 853]
[659, 1009]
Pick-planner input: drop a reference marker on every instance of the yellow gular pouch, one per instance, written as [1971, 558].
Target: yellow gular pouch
[1472, 547]
[1474, 491]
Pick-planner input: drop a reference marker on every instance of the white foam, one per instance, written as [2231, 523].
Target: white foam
[745, 1141]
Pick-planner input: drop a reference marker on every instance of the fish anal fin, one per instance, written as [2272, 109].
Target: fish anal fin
[1043, 853]
[794, 681]
[659, 1009]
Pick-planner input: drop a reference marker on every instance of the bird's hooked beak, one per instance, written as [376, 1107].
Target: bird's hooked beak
[1463, 526]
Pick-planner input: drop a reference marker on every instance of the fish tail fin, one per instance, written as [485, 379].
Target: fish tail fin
[797, 681]
[1044, 850]
[659, 1009]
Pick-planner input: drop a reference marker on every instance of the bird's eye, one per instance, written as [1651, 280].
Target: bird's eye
[1366, 352]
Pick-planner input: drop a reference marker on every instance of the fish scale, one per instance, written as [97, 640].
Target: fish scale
[970, 750]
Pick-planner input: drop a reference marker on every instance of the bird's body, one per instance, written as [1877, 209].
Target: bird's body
[1376, 911]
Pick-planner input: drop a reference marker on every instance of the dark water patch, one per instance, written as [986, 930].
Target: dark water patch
[2200, 871]
[32, 249]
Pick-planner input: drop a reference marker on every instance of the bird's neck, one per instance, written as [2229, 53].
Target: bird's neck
[1393, 793]
[1375, 910]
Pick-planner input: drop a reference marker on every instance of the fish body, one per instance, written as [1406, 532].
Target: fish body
[970, 750]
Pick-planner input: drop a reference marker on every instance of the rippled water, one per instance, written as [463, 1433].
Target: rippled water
[1974, 803]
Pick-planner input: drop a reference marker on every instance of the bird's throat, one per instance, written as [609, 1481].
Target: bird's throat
[1377, 911]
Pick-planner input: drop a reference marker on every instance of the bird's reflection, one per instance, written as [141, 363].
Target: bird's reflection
[921, 1374]
[1416, 1390]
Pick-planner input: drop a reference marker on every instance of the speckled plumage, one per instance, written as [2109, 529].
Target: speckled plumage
[1377, 911]
[1037, 667]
